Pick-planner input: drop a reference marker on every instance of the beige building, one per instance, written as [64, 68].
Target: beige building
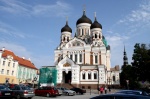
[15, 69]
[84, 60]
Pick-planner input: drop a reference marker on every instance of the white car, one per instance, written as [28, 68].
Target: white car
[59, 91]
[68, 91]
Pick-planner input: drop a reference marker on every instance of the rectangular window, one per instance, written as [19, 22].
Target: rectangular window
[96, 59]
[114, 79]
[71, 56]
[7, 72]
[2, 72]
[80, 57]
[12, 73]
[8, 63]
[13, 65]
[75, 57]
[3, 63]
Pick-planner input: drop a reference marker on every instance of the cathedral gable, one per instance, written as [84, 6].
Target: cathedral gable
[75, 42]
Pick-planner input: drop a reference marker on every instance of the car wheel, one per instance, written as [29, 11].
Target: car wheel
[29, 97]
[18, 97]
[68, 94]
[74, 93]
[47, 95]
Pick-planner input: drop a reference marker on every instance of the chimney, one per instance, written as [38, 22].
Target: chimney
[23, 57]
[29, 59]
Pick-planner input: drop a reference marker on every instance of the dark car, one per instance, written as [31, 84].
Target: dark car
[78, 90]
[120, 96]
[21, 91]
[5, 92]
[46, 91]
[136, 92]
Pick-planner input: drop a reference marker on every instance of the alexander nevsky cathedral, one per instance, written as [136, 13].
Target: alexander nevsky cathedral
[83, 60]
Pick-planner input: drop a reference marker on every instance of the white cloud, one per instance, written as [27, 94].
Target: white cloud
[9, 31]
[59, 9]
[140, 15]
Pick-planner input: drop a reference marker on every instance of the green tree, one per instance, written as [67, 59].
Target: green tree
[126, 74]
[141, 62]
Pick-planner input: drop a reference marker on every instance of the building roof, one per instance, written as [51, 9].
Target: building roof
[116, 68]
[96, 24]
[21, 61]
[66, 28]
[83, 19]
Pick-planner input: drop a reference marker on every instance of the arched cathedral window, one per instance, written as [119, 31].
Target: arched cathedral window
[95, 35]
[83, 76]
[63, 38]
[96, 59]
[82, 32]
[89, 75]
[67, 38]
[95, 75]
[114, 78]
[75, 57]
[80, 57]
[71, 56]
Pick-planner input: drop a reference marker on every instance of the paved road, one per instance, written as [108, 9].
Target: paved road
[89, 94]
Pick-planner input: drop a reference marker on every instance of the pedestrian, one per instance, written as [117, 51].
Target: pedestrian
[109, 88]
[101, 90]
[105, 89]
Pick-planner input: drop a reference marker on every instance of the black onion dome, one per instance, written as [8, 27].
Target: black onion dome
[84, 19]
[96, 24]
[103, 37]
[66, 28]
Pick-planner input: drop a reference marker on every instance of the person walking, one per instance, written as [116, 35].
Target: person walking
[105, 89]
[101, 90]
[109, 88]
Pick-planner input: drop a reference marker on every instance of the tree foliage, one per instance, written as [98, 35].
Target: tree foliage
[141, 62]
[139, 70]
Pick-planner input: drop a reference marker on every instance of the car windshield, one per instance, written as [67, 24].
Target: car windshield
[4, 88]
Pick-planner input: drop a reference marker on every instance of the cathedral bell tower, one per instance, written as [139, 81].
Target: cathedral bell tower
[125, 59]
[66, 33]
[96, 32]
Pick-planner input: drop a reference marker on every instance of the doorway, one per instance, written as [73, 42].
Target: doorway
[67, 77]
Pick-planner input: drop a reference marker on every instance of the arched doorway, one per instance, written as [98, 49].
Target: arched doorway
[67, 77]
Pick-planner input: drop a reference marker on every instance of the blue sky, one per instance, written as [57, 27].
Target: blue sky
[32, 28]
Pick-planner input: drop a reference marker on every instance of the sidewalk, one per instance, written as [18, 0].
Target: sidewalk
[88, 91]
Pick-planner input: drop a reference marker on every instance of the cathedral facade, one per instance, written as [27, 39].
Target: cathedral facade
[84, 60]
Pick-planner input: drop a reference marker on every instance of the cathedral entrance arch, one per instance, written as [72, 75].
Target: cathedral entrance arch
[66, 77]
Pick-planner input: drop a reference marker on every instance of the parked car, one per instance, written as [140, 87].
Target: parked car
[60, 92]
[46, 91]
[67, 91]
[136, 92]
[120, 96]
[21, 91]
[78, 90]
[5, 92]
